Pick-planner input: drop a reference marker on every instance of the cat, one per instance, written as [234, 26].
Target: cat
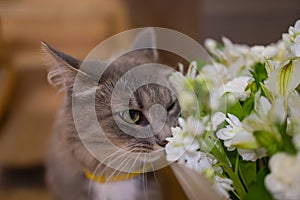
[68, 159]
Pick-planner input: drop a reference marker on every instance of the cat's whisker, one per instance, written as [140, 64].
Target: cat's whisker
[126, 160]
[145, 176]
[154, 173]
[129, 171]
[119, 169]
[119, 150]
[103, 170]
[133, 165]
[109, 156]
[101, 174]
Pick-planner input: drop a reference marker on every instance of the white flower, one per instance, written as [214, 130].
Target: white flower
[212, 46]
[216, 74]
[223, 185]
[266, 116]
[183, 147]
[235, 135]
[174, 148]
[233, 51]
[173, 152]
[296, 141]
[252, 154]
[194, 126]
[295, 29]
[229, 131]
[260, 53]
[229, 54]
[198, 161]
[294, 115]
[292, 39]
[237, 87]
[295, 48]
[187, 100]
[181, 142]
[216, 120]
[284, 180]
[283, 80]
[192, 70]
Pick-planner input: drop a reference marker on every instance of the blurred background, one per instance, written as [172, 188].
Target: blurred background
[28, 104]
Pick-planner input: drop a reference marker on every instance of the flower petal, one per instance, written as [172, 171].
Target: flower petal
[225, 134]
[217, 119]
[233, 121]
[244, 140]
[194, 126]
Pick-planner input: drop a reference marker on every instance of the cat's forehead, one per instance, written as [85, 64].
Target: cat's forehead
[150, 94]
[136, 82]
[141, 98]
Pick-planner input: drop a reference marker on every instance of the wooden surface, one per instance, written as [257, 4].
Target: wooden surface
[25, 194]
[28, 124]
[74, 26]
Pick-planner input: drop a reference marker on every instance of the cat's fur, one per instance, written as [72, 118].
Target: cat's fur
[68, 158]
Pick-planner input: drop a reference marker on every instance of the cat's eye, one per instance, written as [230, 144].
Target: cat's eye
[130, 116]
[170, 107]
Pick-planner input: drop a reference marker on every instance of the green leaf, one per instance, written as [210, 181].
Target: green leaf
[288, 145]
[259, 73]
[259, 191]
[287, 140]
[248, 105]
[252, 87]
[232, 105]
[231, 155]
[200, 64]
[247, 171]
[267, 140]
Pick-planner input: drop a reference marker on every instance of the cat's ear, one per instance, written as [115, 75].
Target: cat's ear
[145, 39]
[62, 67]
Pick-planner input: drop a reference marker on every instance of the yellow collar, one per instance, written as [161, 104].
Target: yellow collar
[112, 178]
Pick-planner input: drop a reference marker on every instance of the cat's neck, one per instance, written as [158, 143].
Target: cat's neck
[143, 186]
[126, 190]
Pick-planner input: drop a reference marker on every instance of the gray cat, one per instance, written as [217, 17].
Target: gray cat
[68, 160]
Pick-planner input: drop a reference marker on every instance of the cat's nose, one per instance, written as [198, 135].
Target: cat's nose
[162, 142]
[160, 137]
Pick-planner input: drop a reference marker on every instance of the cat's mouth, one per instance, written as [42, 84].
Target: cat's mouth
[142, 149]
[148, 147]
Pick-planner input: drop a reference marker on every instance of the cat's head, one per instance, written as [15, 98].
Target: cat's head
[123, 113]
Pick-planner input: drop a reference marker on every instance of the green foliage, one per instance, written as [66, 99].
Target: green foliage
[259, 73]
[287, 143]
[230, 104]
[200, 64]
[267, 140]
[247, 171]
[258, 190]
[248, 105]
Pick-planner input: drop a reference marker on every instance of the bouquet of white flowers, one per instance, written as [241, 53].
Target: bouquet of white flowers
[240, 118]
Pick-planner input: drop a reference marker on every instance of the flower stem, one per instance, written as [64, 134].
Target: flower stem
[221, 156]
